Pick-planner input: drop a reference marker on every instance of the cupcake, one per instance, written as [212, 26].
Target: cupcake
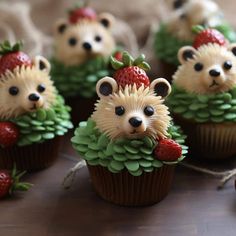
[128, 141]
[32, 114]
[203, 98]
[177, 32]
[83, 44]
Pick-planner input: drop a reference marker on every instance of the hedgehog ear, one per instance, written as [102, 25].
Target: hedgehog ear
[106, 86]
[106, 19]
[161, 87]
[42, 63]
[60, 26]
[232, 48]
[186, 53]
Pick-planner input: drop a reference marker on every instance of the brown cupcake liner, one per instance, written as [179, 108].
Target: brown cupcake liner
[128, 190]
[82, 108]
[31, 157]
[209, 140]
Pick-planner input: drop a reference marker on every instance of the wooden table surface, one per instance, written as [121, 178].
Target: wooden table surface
[193, 207]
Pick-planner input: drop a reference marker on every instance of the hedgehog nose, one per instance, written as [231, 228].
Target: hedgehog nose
[214, 72]
[87, 46]
[33, 97]
[135, 121]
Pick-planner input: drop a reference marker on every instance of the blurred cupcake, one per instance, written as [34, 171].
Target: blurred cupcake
[83, 44]
[203, 98]
[32, 115]
[177, 32]
[128, 141]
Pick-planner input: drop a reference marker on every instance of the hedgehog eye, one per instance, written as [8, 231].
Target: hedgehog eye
[198, 66]
[148, 111]
[72, 41]
[119, 110]
[41, 88]
[13, 90]
[98, 38]
[228, 65]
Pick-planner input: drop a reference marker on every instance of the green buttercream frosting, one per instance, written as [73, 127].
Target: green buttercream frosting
[136, 156]
[217, 108]
[42, 125]
[167, 46]
[79, 80]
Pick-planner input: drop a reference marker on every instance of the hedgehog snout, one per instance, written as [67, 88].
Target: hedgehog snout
[135, 124]
[135, 121]
[217, 74]
[87, 46]
[214, 72]
[33, 97]
[35, 101]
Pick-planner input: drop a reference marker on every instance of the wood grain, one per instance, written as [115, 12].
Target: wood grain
[193, 207]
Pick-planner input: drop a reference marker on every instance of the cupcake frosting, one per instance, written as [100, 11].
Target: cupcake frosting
[177, 30]
[130, 122]
[83, 42]
[204, 86]
[166, 45]
[28, 98]
[43, 124]
[79, 80]
[216, 108]
[136, 155]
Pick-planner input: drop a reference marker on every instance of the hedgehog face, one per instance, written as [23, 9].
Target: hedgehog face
[26, 89]
[210, 69]
[190, 13]
[76, 43]
[131, 112]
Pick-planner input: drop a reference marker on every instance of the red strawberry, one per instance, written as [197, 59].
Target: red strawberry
[81, 13]
[12, 57]
[9, 182]
[130, 75]
[130, 71]
[9, 134]
[206, 36]
[168, 150]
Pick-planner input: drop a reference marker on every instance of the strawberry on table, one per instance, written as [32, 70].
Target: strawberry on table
[205, 36]
[130, 71]
[10, 182]
[168, 150]
[11, 57]
[9, 134]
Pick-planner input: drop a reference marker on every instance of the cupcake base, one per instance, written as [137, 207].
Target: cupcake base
[127, 190]
[31, 157]
[209, 140]
[81, 108]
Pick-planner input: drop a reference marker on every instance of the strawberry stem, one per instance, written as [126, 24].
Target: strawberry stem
[78, 5]
[6, 47]
[17, 185]
[128, 60]
[116, 64]
[197, 29]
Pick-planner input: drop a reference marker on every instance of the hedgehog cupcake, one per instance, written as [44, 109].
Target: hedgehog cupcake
[32, 114]
[203, 98]
[177, 32]
[128, 142]
[83, 44]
